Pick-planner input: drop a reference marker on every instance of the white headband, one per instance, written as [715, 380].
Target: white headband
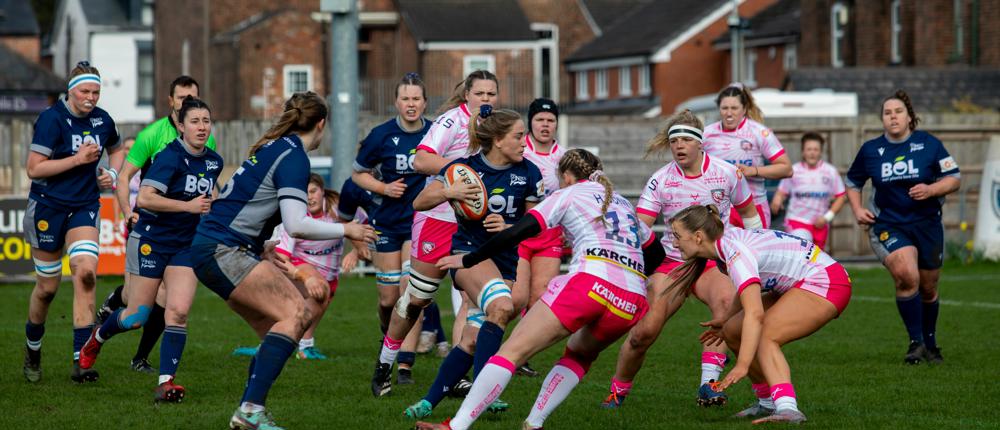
[84, 78]
[679, 130]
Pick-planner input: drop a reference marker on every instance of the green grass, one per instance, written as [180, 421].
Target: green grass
[849, 375]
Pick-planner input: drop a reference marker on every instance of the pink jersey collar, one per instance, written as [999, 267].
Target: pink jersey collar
[742, 123]
[704, 167]
[531, 145]
[818, 165]
[465, 109]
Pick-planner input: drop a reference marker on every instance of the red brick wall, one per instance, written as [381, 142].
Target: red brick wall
[27, 46]
[574, 32]
[989, 34]
[514, 69]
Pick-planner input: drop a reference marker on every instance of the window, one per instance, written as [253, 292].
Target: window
[471, 63]
[838, 27]
[751, 80]
[625, 81]
[791, 58]
[896, 53]
[644, 84]
[581, 85]
[298, 78]
[601, 84]
[144, 75]
[146, 13]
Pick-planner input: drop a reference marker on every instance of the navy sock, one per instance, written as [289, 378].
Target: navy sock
[406, 357]
[112, 325]
[34, 332]
[453, 368]
[174, 338]
[115, 301]
[151, 332]
[487, 343]
[271, 357]
[911, 310]
[432, 321]
[80, 336]
[253, 362]
[930, 323]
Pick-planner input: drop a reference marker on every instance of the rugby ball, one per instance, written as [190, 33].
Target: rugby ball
[462, 173]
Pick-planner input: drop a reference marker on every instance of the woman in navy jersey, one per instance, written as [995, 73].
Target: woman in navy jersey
[176, 190]
[64, 207]
[269, 188]
[390, 148]
[911, 172]
[514, 185]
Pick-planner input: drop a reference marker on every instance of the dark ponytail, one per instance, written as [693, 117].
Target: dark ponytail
[301, 114]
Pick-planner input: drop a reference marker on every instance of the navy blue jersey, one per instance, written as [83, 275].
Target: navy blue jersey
[390, 150]
[896, 167]
[508, 189]
[353, 197]
[178, 175]
[246, 211]
[59, 134]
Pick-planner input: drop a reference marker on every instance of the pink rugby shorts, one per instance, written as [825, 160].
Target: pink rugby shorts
[582, 299]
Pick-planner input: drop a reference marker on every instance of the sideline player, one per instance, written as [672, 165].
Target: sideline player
[809, 191]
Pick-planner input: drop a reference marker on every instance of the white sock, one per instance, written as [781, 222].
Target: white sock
[557, 386]
[490, 382]
[98, 338]
[34, 346]
[249, 408]
[165, 378]
[390, 349]
[307, 343]
[786, 403]
[710, 372]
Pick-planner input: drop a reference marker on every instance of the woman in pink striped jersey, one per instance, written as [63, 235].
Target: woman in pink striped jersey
[810, 191]
[788, 289]
[603, 295]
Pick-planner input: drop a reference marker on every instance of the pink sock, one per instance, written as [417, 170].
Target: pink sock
[784, 396]
[763, 391]
[620, 387]
[558, 384]
[390, 349]
[712, 365]
[488, 385]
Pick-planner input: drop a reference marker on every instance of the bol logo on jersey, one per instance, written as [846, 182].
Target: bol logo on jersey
[87, 138]
[900, 168]
[404, 163]
[196, 185]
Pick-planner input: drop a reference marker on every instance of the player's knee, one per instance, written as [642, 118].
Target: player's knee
[46, 292]
[137, 319]
[578, 362]
[500, 312]
[907, 281]
[495, 298]
[86, 276]
[639, 340]
[176, 316]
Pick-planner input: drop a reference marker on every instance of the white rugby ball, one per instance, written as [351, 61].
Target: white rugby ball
[462, 173]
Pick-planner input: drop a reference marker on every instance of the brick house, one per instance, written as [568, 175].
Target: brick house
[944, 52]
[770, 45]
[656, 55]
[250, 54]
[26, 87]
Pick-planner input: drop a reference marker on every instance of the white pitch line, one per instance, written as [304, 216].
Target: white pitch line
[985, 305]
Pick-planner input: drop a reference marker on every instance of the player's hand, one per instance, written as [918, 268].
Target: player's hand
[921, 192]
[735, 375]
[317, 288]
[88, 153]
[713, 335]
[394, 189]
[360, 232]
[129, 223]
[364, 252]
[268, 253]
[199, 205]
[350, 261]
[864, 217]
[450, 262]
[819, 222]
[462, 192]
[106, 180]
[494, 223]
[283, 263]
[776, 207]
[747, 170]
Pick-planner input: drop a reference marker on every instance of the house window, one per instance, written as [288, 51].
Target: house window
[897, 27]
[791, 58]
[625, 81]
[298, 78]
[144, 77]
[751, 80]
[838, 32]
[471, 63]
[644, 85]
[601, 84]
[146, 13]
[581, 85]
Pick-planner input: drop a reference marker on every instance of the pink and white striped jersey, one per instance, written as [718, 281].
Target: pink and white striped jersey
[748, 145]
[669, 190]
[775, 259]
[611, 250]
[547, 162]
[324, 255]
[810, 190]
[449, 138]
